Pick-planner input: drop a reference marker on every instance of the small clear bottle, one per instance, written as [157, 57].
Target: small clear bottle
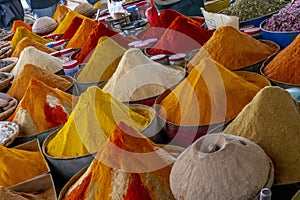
[178, 59]
[71, 67]
[142, 7]
[160, 58]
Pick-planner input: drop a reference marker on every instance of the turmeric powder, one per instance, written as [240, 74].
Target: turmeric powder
[22, 32]
[285, 66]
[110, 54]
[41, 108]
[79, 38]
[210, 94]
[19, 85]
[17, 165]
[27, 41]
[126, 168]
[64, 24]
[91, 121]
[233, 49]
[60, 13]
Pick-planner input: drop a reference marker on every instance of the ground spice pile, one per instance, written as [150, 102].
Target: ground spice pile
[210, 94]
[110, 54]
[100, 30]
[271, 120]
[22, 32]
[41, 108]
[182, 36]
[60, 13]
[233, 49]
[20, 23]
[26, 42]
[93, 118]
[165, 19]
[138, 77]
[64, 24]
[19, 85]
[11, 194]
[31, 55]
[79, 38]
[118, 172]
[72, 28]
[285, 66]
[17, 165]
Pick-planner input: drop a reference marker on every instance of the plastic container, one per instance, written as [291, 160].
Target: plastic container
[66, 52]
[71, 67]
[134, 13]
[132, 44]
[57, 45]
[283, 39]
[151, 41]
[256, 21]
[160, 58]
[142, 7]
[55, 54]
[143, 45]
[178, 59]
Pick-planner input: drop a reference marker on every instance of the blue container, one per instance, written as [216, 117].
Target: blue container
[256, 21]
[283, 39]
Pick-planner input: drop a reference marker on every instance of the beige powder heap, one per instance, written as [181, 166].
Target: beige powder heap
[31, 55]
[138, 77]
[272, 120]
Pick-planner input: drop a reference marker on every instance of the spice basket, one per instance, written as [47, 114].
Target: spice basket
[9, 67]
[283, 39]
[256, 67]
[66, 167]
[8, 139]
[153, 129]
[277, 83]
[37, 185]
[6, 82]
[150, 101]
[4, 115]
[175, 151]
[39, 136]
[185, 135]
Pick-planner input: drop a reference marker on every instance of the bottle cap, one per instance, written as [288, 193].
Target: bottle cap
[252, 31]
[131, 8]
[142, 45]
[158, 57]
[50, 36]
[58, 43]
[50, 44]
[132, 44]
[66, 51]
[151, 40]
[141, 3]
[70, 64]
[55, 54]
[177, 57]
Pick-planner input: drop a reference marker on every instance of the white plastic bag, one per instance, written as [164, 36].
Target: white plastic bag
[215, 20]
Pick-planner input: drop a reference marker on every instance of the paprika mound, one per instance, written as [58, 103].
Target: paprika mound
[118, 172]
[41, 108]
[27, 41]
[285, 65]
[110, 54]
[93, 118]
[72, 28]
[269, 119]
[20, 23]
[79, 38]
[233, 49]
[211, 94]
[181, 36]
[17, 165]
[19, 85]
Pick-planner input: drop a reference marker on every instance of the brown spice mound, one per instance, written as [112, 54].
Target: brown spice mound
[233, 49]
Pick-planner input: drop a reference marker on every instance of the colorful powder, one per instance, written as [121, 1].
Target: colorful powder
[64, 24]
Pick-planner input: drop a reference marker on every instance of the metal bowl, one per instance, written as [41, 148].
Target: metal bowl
[256, 67]
[183, 136]
[66, 167]
[283, 39]
[274, 82]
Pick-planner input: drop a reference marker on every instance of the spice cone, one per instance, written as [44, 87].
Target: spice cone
[121, 169]
[271, 120]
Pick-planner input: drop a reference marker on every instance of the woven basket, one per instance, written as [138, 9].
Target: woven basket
[9, 67]
[8, 139]
[7, 81]
[7, 51]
